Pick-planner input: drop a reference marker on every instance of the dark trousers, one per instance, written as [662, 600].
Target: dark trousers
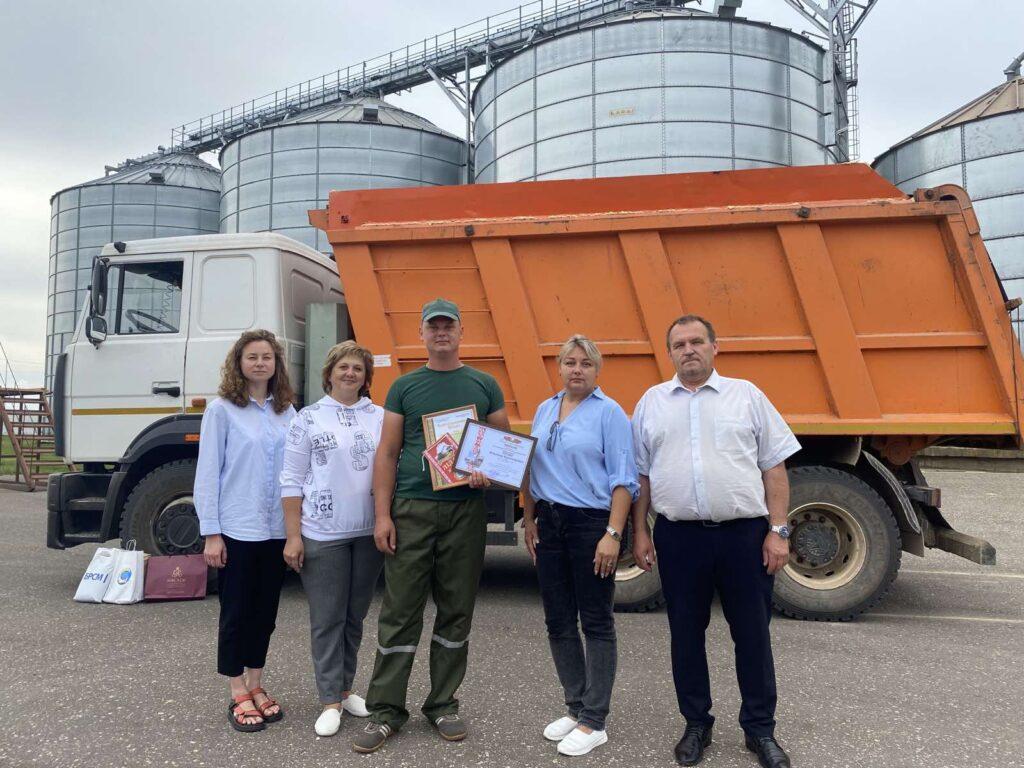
[569, 590]
[250, 588]
[695, 560]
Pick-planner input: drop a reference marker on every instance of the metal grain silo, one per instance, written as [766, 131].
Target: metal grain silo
[979, 147]
[163, 195]
[654, 92]
[272, 176]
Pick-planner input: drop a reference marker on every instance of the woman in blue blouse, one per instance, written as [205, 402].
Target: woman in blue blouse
[582, 482]
[237, 498]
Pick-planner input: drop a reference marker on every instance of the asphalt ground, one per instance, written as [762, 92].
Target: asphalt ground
[932, 677]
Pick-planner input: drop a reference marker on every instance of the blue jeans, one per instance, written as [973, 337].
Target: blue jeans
[569, 589]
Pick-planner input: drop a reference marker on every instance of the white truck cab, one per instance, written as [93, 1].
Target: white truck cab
[145, 358]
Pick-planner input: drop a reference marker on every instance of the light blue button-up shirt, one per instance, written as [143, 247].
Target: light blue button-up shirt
[581, 461]
[241, 452]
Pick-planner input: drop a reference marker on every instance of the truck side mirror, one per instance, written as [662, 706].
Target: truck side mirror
[98, 290]
[95, 329]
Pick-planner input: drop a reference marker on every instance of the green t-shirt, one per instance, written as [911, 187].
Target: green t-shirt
[426, 391]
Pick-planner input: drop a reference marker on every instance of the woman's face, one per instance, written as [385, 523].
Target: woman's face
[347, 377]
[257, 361]
[579, 374]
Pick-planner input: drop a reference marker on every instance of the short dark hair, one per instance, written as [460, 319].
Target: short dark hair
[690, 319]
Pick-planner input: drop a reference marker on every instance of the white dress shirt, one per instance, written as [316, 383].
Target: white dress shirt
[241, 451]
[704, 451]
[328, 461]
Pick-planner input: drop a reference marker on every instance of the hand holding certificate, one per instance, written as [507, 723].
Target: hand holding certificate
[501, 456]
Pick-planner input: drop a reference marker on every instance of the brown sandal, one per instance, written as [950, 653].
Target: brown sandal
[236, 715]
[267, 705]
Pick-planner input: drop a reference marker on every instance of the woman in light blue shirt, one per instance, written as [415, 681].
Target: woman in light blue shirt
[237, 498]
[582, 482]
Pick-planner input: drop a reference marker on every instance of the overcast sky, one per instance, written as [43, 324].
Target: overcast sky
[84, 84]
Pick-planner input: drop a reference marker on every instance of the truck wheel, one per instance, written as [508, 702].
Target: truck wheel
[636, 590]
[161, 516]
[844, 547]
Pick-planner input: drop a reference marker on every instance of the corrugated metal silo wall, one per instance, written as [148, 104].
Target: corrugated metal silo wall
[271, 178]
[658, 94]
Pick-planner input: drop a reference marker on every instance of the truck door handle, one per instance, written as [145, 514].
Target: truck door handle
[172, 391]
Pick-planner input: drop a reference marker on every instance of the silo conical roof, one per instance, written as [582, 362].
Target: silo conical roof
[354, 111]
[179, 169]
[1005, 97]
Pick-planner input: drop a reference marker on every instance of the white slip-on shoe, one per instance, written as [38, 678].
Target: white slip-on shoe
[328, 723]
[355, 706]
[579, 743]
[559, 729]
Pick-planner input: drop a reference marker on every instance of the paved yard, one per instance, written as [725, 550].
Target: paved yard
[933, 677]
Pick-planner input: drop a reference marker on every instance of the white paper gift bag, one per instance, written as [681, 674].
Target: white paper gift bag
[96, 578]
[126, 579]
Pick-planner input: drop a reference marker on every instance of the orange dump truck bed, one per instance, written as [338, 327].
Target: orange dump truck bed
[859, 311]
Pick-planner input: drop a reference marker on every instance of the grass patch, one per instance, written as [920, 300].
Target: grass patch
[7, 460]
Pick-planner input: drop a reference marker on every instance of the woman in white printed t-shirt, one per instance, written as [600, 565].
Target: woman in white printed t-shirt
[328, 508]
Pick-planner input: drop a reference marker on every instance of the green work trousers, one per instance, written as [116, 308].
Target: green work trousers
[440, 551]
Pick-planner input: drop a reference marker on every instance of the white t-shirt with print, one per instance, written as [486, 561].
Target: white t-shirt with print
[328, 461]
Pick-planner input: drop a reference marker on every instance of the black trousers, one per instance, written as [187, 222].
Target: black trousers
[250, 588]
[695, 560]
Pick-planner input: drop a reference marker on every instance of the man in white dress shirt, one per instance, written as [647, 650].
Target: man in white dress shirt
[711, 453]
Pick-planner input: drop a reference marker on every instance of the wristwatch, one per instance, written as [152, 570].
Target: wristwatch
[613, 533]
[782, 530]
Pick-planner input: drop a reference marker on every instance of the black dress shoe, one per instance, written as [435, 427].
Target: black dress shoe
[690, 749]
[769, 753]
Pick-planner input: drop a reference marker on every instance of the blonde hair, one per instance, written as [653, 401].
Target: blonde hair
[579, 341]
[232, 383]
[348, 349]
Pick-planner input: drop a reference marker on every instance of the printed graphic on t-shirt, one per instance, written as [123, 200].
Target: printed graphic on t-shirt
[361, 451]
[323, 505]
[347, 417]
[308, 479]
[321, 444]
[295, 434]
[307, 415]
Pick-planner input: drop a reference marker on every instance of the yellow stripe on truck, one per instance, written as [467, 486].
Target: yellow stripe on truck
[134, 411]
[122, 411]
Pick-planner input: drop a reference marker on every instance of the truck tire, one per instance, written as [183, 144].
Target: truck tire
[160, 516]
[636, 590]
[844, 547]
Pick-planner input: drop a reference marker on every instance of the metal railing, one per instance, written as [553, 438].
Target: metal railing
[481, 42]
[7, 377]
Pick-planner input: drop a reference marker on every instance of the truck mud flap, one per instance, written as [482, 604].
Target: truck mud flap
[939, 534]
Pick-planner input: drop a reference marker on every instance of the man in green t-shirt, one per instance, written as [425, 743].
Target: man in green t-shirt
[434, 540]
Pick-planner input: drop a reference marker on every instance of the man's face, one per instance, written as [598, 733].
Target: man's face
[441, 334]
[692, 352]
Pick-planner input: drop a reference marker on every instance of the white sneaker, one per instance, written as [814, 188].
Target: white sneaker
[559, 729]
[355, 706]
[328, 723]
[580, 743]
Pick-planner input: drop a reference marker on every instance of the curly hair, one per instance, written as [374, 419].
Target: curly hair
[233, 386]
[348, 349]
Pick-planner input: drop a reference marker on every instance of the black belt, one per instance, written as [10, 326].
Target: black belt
[718, 523]
[549, 505]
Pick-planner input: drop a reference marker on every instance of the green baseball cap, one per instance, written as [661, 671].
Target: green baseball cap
[440, 308]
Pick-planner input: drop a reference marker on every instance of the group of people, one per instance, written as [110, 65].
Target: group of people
[340, 490]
